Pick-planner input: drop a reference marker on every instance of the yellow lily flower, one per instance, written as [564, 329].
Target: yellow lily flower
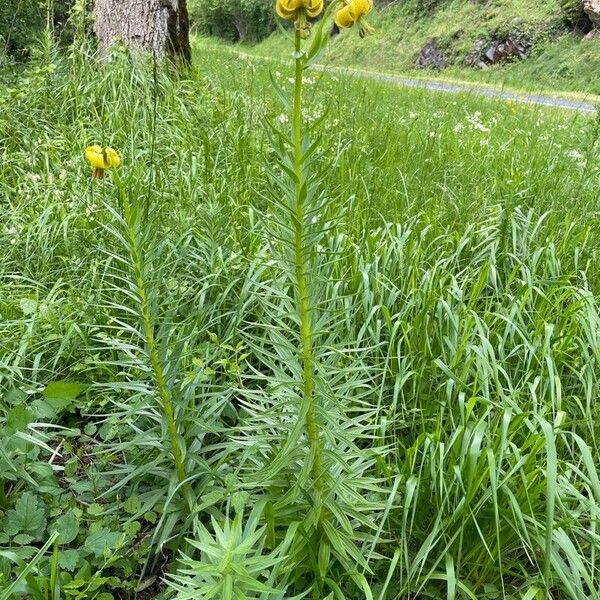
[344, 17]
[313, 7]
[361, 7]
[101, 158]
[299, 10]
[287, 9]
[353, 12]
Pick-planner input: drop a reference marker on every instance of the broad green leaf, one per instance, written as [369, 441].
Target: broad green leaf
[26, 517]
[23, 539]
[15, 396]
[61, 394]
[67, 527]
[101, 541]
[132, 505]
[132, 528]
[95, 509]
[150, 516]
[18, 417]
[68, 559]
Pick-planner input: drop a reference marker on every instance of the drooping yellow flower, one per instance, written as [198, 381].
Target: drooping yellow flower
[361, 7]
[344, 17]
[101, 158]
[353, 12]
[313, 7]
[286, 9]
[297, 10]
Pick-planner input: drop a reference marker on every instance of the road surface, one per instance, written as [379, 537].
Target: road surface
[452, 87]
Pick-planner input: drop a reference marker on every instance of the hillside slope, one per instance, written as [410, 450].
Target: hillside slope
[538, 44]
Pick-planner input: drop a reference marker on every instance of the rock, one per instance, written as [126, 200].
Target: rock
[592, 35]
[485, 54]
[592, 10]
[476, 57]
[508, 48]
[431, 57]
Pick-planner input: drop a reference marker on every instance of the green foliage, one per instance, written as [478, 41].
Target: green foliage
[233, 561]
[67, 527]
[421, 7]
[237, 20]
[61, 395]
[22, 23]
[19, 23]
[27, 518]
[101, 541]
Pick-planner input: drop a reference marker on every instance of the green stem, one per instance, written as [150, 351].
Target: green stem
[49, 17]
[160, 380]
[308, 363]
[3, 498]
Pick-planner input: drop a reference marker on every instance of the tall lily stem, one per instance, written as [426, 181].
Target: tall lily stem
[137, 252]
[302, 292]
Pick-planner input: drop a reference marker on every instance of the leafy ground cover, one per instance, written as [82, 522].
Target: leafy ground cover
[456, 337]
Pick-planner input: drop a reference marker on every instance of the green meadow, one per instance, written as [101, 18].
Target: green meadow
[365, 366]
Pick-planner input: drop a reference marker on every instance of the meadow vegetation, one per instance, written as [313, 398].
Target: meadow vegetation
[558, 60]
[341, 349]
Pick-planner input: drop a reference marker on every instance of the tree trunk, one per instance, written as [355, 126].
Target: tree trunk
[240, 25]
[155, 26]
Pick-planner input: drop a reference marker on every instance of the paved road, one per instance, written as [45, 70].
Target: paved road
[453, 88]
[448, 87]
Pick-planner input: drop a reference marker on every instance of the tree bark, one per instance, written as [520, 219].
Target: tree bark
[155, 26]
[240, 25]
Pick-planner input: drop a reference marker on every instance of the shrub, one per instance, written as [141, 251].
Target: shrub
[236, 20]
[22, 21]
[18, 25]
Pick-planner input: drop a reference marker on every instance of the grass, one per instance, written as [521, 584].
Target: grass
[452, 253]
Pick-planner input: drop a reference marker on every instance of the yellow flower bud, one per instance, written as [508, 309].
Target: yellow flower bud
[101, 158]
